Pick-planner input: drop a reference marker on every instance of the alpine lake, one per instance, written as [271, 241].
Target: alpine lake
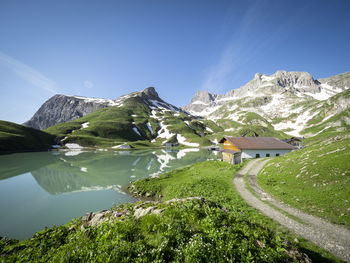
[43, 189]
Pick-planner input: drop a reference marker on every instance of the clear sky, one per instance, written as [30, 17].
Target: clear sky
[105, 49]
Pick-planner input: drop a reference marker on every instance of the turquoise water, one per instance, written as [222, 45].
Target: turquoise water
[50, 188]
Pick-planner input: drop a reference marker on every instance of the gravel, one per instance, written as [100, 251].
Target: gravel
[333, 238]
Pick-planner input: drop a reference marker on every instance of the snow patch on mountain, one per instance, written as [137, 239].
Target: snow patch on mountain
[267, 78]
[199, 102]
[188, 124]
[206, 111]
[85, 125]
[73, 146]
[164, 133]
[182, 140]
[162, 105]
[136, 131]
[149, 127]
[297, 125]
[208, 129]
[108, 102]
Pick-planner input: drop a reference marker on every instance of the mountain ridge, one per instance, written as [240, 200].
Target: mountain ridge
[285, 99]
[282, 104]
[293, 82]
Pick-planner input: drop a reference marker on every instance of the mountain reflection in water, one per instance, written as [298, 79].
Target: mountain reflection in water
[104, 170]
[46, 188]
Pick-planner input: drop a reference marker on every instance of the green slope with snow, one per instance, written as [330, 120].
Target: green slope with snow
[138, 121]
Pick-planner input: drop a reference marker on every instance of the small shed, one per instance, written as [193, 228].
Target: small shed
[294, 141]
[231, 156]
[240, 148]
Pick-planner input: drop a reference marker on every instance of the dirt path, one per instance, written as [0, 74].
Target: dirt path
[332, 238]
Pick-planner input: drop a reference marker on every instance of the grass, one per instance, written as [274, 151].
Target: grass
[257, 102]
[330, 107]
[214, 181]
[338, 80]
[114, 125]
[334, 124]
[219, 228]
[19, 138]
[251, 125]
[315, 179]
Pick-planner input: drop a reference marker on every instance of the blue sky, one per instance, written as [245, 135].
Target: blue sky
[105, 49]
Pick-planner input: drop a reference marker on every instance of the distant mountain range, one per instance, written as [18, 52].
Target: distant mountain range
[280, 105]
[287, 100]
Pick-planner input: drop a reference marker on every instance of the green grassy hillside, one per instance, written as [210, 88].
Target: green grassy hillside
[315, 179]
[116, 125]
[333, 119]
[249, 124]
[19, 138]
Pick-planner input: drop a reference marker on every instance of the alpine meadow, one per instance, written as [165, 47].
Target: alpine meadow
[175, 131]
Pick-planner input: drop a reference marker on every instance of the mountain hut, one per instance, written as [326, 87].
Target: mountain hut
[237, 149]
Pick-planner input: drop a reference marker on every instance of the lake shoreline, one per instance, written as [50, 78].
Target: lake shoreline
[197, 208]
[61, 185]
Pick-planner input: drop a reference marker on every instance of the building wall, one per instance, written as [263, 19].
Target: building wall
[237, 158]
[232, 158]
[227, 157]
[252, 153]
[229, 146]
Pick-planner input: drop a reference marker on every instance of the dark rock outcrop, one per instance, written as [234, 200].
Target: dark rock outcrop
[62, 108]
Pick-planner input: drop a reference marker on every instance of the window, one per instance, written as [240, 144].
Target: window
[277, 154]
[267, 155]
[257, 155]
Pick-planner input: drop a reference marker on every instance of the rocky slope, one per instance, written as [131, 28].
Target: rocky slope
[62, 108]
[286, 100]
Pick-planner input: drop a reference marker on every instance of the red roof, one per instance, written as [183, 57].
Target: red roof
[258, 143]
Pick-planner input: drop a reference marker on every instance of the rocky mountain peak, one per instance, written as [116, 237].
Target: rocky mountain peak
[151, 92]
[257, 76]
[204, 96]
[61, 108]
[289, 79]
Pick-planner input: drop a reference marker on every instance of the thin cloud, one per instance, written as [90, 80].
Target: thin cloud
[220, 73]
[242, 48]
[88, 84]
[28, 73]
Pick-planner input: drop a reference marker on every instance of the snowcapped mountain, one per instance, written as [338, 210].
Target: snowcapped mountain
[283, 104]
[138, 116]
[287, 100]
[64, 108]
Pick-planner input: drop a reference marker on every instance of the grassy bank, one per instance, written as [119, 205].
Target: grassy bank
[19, 138]
[218, 227]
[214, 181]
[315, 179]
